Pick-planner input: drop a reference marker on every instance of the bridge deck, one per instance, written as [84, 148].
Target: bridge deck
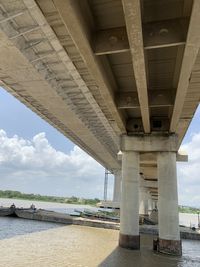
[98, 69]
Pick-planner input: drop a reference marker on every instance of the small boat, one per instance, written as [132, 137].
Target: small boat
[102, 215]
[25, 213]
[6, 211]
[43, 215]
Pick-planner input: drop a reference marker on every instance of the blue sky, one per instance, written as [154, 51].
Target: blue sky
[36, 158]
[67, 178]
[16, 118]
[194, 127]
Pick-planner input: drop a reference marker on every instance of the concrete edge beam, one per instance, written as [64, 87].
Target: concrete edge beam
[150, 143]
[179, 157]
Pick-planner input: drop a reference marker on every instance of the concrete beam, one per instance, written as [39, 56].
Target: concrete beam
[157, 98]
[166, 33]
[31, 86]
[149, 172]
[147, 158]
[150, 159]
[150, 184]
[12, 15]
[111, 41]
[146, 164]
[190, 54]
[127, 100]
[132, 11]
[155, 34]
[181, 157]
[150, 143]
[154, 190]
[74, 22]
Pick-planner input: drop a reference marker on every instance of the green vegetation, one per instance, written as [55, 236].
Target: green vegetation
[69, 200]
[185, 209]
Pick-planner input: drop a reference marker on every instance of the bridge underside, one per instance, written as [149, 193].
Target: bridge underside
[111, 75]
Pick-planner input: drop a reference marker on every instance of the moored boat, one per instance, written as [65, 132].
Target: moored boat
[4, 211]
[24, 213]
[100, 214]
[44, 215]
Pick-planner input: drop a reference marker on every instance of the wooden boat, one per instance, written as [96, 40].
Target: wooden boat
[25, 213]
[102, 215]
[7, 211]
[44, 215]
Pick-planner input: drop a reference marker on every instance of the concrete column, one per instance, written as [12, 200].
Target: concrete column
[155, 204]
[143, 199]
[168, 219]
[150, 203]
[117, 186]
[129, 209]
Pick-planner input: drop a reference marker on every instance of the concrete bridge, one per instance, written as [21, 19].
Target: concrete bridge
[112, 75]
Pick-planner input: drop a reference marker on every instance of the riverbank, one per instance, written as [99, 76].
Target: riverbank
[9, 194]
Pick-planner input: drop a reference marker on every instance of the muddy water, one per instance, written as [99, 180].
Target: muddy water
[35, 244]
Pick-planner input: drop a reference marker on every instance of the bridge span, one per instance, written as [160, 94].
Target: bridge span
[112, 76]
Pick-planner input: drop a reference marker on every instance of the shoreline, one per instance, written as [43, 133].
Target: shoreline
[75, 203]
[55, 217]
[50, 201]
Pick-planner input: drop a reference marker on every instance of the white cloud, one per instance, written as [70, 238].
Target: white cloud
[189, 174]
[35, 166]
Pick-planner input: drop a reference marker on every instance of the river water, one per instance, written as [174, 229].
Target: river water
[31, 243]
[184, 218]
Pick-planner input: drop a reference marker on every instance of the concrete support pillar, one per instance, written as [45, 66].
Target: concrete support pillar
[169, 235]
[129, 209]
[150, 203]
[155, 204]
[143, 199]
[117, 186]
